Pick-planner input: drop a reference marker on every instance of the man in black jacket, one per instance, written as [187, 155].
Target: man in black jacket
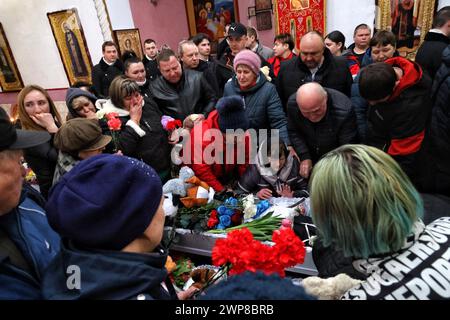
[180, 93]
[429, 55]
[319, 120]
[315, 63]
[149, 61]
[106, 70]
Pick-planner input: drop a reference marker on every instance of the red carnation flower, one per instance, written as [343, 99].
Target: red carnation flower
[111, 115]
[114, 124]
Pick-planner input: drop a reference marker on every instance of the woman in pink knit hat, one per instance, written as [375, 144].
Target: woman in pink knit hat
[262, 103]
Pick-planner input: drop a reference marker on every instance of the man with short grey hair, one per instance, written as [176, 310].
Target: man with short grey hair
[319, 120]
[189, 55]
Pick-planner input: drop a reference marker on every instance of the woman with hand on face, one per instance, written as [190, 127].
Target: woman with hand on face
[80, 104]
[141, 134]
[38, 112]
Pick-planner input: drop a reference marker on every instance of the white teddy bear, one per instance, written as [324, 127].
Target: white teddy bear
[176, 186]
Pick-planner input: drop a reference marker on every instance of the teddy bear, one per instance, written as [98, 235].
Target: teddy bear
[188, 189]
[174, 189]
[197, 195]
[330, 288]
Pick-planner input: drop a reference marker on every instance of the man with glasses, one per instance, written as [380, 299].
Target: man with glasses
[27, 243]
[314, 64]
[319, 120]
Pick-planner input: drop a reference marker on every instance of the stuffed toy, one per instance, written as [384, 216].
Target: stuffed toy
[178, 186]
[198, 195]
[330, 288]
[174, 189]
[201, 276]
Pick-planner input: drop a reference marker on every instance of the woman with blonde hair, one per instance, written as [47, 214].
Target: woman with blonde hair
[37, 112]
[365, 207]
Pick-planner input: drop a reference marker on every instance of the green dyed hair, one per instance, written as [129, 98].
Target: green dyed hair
[362, 202]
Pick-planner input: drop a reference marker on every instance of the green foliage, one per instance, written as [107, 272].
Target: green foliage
[261, 228]
[194, 218]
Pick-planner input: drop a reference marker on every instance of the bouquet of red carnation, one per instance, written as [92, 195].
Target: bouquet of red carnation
[240, 252]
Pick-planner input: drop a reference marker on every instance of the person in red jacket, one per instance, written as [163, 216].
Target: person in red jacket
[283, 44]
[398, 93]
[216, 154]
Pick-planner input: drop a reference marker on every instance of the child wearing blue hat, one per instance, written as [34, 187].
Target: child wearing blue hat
[108, 211]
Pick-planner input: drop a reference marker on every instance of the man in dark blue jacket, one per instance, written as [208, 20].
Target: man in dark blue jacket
[27, 243]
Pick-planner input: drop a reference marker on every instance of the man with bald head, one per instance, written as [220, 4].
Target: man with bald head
[315, 63]
[319, 120]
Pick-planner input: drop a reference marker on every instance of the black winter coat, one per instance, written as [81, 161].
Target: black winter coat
[108, 275]
[151, 69]
[333, 73]
[338, 127]
[429, 55]
[440, 125]
[397, 126]
[42, 160]
[191, 95]
[153, 148]
[102, 76]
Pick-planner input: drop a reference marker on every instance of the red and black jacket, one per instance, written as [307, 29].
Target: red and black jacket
[398, 125]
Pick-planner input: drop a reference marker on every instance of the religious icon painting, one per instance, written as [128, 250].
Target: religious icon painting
[69, 36]
[10, 79]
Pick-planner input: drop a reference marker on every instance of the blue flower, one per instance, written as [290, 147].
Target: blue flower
[261, 207]
[225, 220]
[232, 202]
[221, 210]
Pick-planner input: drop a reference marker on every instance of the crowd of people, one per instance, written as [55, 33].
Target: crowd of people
[361, 130]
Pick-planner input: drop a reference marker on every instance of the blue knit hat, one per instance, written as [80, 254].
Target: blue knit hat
[256, 286]
[105, 202]
[232, 114]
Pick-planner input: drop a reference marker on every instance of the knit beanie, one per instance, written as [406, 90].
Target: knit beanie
[73, 93]
[248, 58]
[105, 202]
[256, 286]
[232, 114]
